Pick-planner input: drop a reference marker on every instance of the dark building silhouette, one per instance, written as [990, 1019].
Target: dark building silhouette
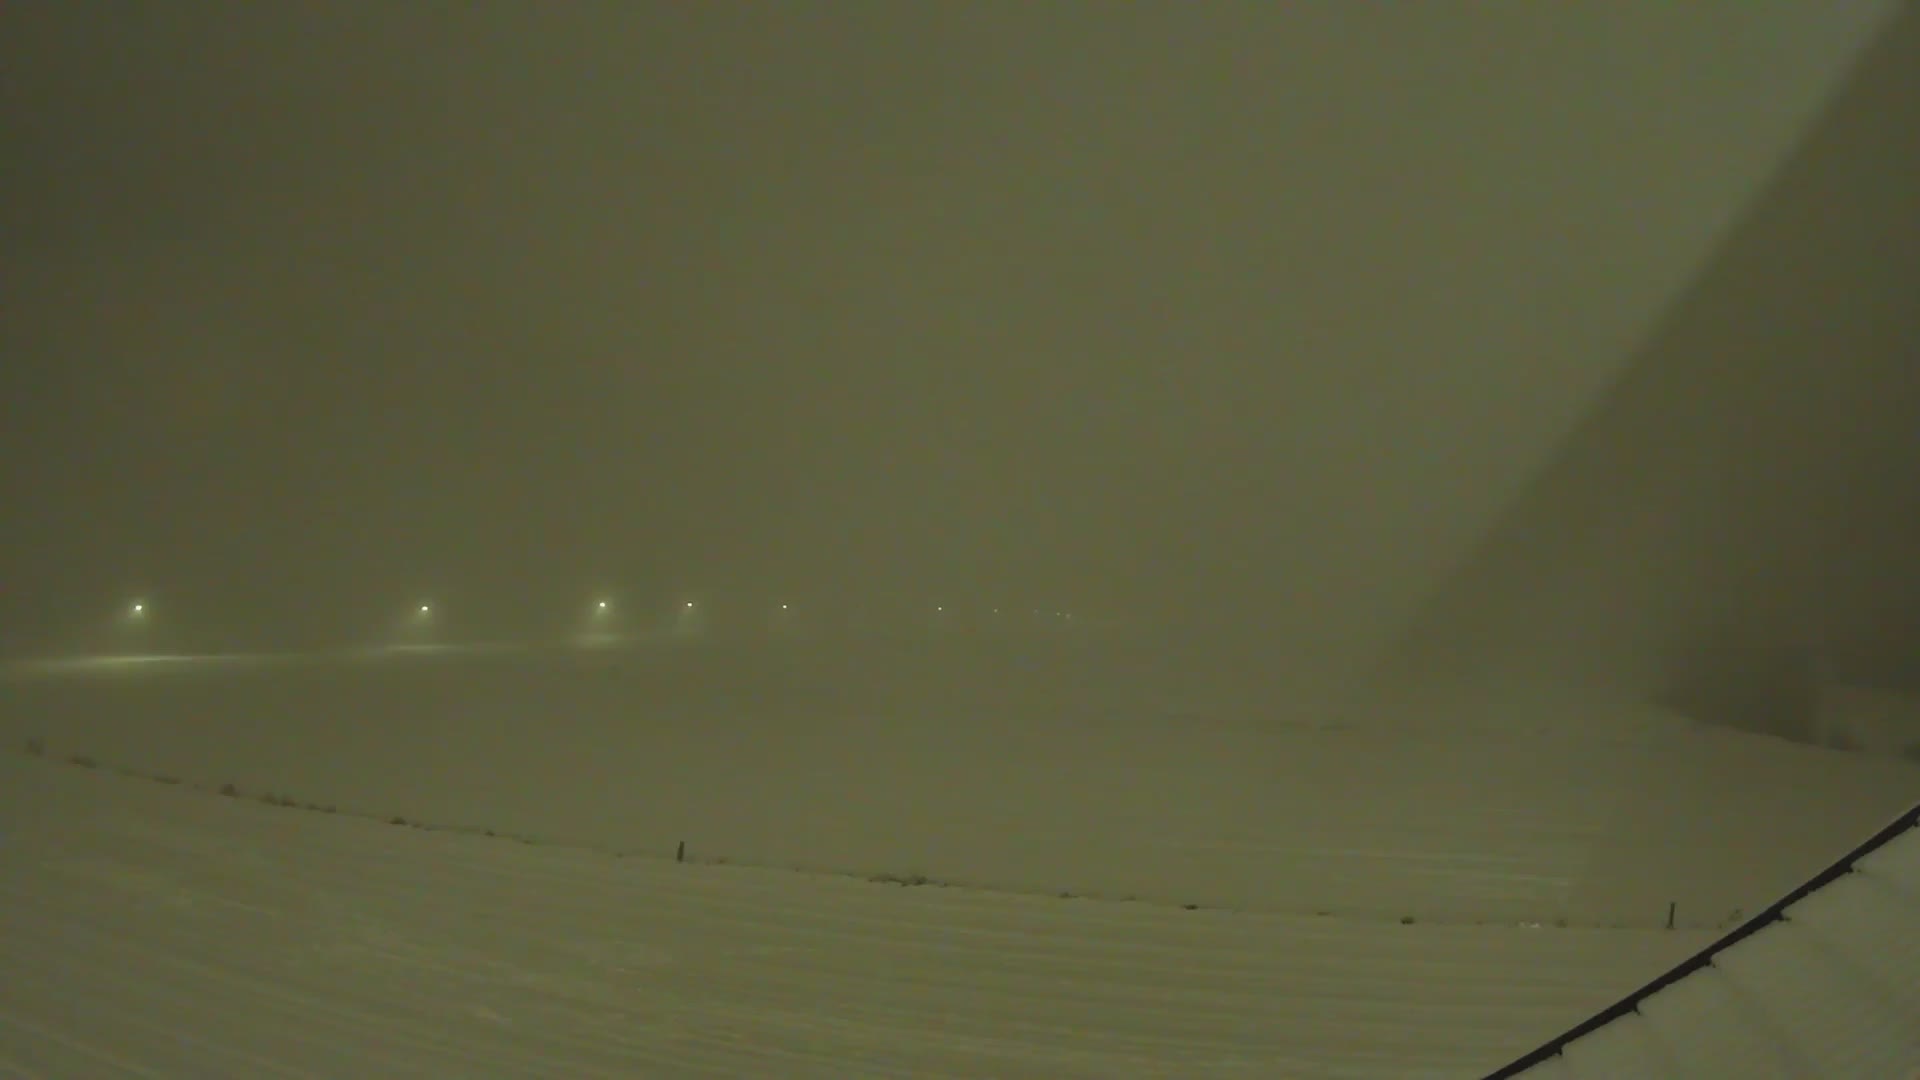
[1745, 500]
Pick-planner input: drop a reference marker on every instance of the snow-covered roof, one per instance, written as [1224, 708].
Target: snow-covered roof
[1825, 983]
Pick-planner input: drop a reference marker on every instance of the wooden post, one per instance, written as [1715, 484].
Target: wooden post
[680, 854]
[1671, 905]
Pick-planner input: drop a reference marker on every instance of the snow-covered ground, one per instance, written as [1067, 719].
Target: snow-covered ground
[157, 930]
[185, 931]
[1038, 766]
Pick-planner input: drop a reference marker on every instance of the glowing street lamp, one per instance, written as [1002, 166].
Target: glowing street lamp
[689, 619]
[419, 627]
[134, 618]
[598, 626]
[780, 619]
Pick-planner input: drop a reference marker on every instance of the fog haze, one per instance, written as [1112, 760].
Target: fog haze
[616, 534]
[1247, 317]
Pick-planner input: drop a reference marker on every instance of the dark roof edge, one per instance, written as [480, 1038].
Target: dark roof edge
[1774, 913]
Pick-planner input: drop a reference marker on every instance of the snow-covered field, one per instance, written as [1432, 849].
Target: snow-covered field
[192, 934]
[1043, 765]
[156, 930]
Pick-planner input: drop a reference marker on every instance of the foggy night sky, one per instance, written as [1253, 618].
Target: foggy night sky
[1249, 309]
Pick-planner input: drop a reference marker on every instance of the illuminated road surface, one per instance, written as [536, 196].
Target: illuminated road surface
[136, 663]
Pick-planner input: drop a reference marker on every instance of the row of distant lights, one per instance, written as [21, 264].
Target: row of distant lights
[602, 607]
[139, 609]
[1036, 611]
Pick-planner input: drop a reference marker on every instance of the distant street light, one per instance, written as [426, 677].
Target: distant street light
[135, 618]
[598, 625]
[689, 620]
